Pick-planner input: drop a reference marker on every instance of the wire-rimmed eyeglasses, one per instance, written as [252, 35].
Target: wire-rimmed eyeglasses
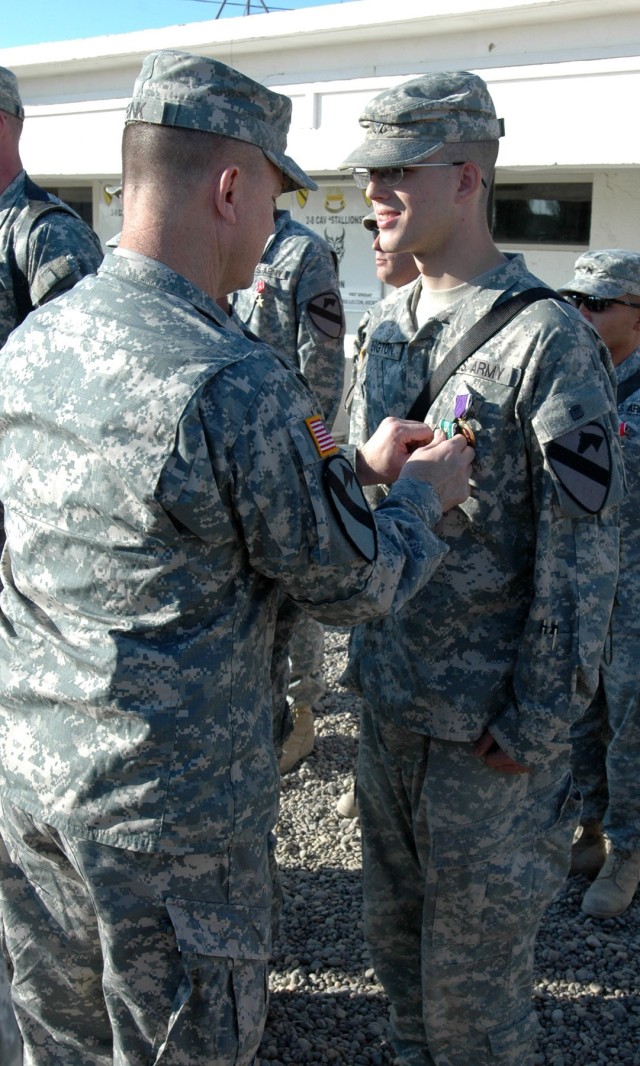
[595, 304]
[393, 175]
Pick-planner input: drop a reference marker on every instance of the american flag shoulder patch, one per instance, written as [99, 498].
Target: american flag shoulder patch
[324, 442]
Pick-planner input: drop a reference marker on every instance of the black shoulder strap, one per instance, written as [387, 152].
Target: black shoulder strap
[627, 388]
[40, 203]
[481, 331]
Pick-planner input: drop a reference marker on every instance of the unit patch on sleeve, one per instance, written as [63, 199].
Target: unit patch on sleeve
[582, 463]
[350, 507]
[325, 311]
[324, 442]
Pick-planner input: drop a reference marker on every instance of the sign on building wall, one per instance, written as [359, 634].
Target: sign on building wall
[109, 221]
[335, 211]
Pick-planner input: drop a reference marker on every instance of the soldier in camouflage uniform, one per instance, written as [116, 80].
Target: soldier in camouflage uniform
[606, 742]
[294, 305]
[59, 248]
[394, 269]
[39, 258]
[165, 478]
[466, 800]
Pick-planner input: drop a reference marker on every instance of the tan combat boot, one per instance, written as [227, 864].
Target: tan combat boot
[613, 889]
[589, 851]
[347, 805]
[300, 741]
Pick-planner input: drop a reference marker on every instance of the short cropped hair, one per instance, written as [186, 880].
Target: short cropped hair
[483, 153]
[184, 157]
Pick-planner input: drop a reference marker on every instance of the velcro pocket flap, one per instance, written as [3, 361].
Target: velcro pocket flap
[232, 932]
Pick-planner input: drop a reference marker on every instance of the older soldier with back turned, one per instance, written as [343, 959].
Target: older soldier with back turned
[164, 479]
[466, 803]
[606, 742]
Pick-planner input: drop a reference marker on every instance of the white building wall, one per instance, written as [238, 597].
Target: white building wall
[565, 75]
[616, 209]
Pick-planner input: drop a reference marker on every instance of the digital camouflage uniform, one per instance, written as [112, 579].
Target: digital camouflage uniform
[38, 260]
[606, 742]
[161, 484]
[294, 305]
[459, 860]
[61, 250]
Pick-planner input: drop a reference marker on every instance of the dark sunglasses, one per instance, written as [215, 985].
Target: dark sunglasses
[595, 304]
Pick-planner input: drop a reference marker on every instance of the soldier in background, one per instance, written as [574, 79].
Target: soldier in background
[466, 803]
[394, 269]
[45, 247]
[165, 478]
[295, 306]
[606, 742]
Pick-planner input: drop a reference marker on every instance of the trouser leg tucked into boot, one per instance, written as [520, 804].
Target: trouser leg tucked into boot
[589, 851]
[300, 741]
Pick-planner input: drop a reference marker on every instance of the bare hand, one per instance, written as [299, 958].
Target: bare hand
[444, 464]
[381, 459]
[494, 757]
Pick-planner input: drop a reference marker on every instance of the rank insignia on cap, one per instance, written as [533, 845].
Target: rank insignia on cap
[324, 442]
[581, 460]
[350, 507]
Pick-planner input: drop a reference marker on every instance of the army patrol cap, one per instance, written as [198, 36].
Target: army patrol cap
[610, 273]
[10, 94]
[407, 124]
[198, 93]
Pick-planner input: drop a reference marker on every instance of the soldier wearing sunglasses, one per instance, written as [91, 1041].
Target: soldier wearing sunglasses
[606, 742]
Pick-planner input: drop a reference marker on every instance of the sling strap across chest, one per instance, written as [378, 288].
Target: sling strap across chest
[627, 388]
[481, 331]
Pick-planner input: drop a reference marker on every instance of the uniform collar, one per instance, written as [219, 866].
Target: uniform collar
[153, 274]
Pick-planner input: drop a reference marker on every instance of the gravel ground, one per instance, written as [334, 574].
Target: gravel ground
[326, 1004]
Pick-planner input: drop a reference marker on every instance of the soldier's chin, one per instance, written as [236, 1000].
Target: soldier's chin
[246, 280]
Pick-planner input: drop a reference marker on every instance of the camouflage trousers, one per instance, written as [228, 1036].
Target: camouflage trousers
[459, 864]
[128, 958]
[296, 666]
[605, 752]
[10, 1039]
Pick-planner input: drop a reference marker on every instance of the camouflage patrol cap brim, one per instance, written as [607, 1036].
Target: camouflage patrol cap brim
[370, 222]
[10, 94]
[610, 272]
[407, 124]
[198, 93]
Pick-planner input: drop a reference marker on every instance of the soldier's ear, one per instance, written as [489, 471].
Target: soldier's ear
[469, 180]
[224, 192]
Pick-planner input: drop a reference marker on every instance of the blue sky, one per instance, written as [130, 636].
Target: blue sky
[45, 20]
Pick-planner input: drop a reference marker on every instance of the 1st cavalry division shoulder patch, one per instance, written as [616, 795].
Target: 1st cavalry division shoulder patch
[325, 311]
[350, 507]
[582, 463]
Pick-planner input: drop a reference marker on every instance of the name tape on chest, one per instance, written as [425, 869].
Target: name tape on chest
[350, 507]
